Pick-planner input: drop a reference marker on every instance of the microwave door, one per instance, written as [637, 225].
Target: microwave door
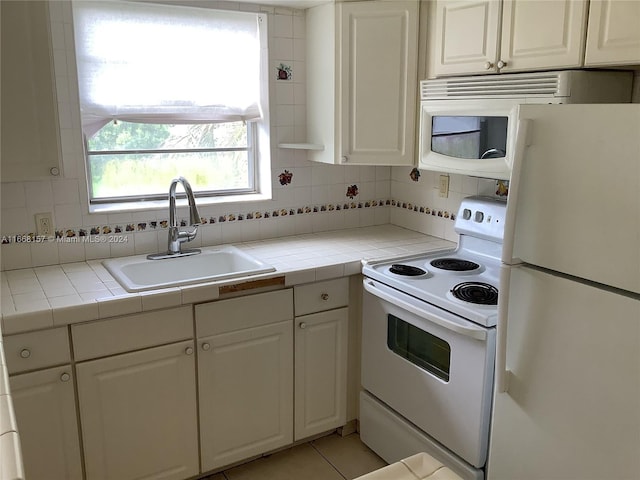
[476, 142]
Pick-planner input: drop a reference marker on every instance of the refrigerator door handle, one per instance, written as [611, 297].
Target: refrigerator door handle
[502, 373]
[522, 141]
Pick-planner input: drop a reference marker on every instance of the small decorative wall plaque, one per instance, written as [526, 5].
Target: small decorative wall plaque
[284, 72]
[285, 177]
[352, 191]
[502, 188]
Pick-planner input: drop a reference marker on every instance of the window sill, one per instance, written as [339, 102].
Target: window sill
[164, 204]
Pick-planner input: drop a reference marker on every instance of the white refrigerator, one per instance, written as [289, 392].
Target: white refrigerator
[567, 398]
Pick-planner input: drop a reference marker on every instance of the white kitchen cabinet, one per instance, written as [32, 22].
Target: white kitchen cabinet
[245, 376]
[362, 81]
[44, 404]
[488, 36]
[466, 36]
[138, 414]
[30, 132]
[320, 357]
[613, 34]
[137, 396]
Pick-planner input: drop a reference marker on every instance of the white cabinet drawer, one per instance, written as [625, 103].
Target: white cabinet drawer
[35, 350]
[316, 297]
[243, 312]
[131, 332]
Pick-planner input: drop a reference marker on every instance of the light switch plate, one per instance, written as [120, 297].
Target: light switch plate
[444, 186]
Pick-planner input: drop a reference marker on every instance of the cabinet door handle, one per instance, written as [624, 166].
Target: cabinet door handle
[25, 353]
[65, 377]
[55, 171]
[344, 159]
[303, 325]
[324, 296]
[206, 346]
[188, 350]
[502, 64]
[488, 66]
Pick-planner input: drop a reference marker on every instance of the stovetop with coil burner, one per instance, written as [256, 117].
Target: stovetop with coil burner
[463, 281]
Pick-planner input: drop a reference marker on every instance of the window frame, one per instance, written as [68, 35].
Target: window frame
[252, 164]
[260, 159]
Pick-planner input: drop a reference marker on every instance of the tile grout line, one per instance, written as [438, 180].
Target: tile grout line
[327, 460]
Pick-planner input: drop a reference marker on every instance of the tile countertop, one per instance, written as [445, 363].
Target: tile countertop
[45, 297]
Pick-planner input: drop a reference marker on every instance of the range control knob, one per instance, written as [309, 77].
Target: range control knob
[466, 214]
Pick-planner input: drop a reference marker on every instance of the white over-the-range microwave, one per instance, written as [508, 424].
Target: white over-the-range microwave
[468, 124]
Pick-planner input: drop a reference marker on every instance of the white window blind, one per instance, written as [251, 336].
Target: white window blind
[150, 63]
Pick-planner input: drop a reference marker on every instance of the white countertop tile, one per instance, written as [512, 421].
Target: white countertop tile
[43, 297]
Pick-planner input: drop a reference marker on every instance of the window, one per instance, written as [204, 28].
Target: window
[419, 347]
[135, 160]
[170, 90]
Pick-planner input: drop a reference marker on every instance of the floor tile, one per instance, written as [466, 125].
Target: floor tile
[348, 455]
[297, 463]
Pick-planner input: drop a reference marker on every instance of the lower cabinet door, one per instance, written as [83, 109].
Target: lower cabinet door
[138, 414]
[320, 372]
[245, 383]
[45, 408]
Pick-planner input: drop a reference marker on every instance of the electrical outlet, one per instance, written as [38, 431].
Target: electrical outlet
[444, 186]
[44, 224]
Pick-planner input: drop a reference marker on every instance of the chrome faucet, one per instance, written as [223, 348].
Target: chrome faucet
[176, 236]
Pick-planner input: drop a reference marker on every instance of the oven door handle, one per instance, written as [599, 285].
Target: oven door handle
[373, 288]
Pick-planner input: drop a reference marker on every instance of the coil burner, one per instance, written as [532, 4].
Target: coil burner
[454, 264]
[476, 292]
[406, 270]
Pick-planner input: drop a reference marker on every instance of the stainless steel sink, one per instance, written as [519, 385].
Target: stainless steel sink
[137, 273]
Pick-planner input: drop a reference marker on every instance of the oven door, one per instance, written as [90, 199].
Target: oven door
[432, 367]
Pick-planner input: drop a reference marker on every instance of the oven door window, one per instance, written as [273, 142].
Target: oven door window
[469, 136]
[419, 347]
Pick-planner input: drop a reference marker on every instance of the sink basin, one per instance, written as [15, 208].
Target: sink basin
[136, 273]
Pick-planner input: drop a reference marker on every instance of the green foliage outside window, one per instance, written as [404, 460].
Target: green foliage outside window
[132, 159]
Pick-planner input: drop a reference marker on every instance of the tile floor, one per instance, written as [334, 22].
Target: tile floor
[328, 458]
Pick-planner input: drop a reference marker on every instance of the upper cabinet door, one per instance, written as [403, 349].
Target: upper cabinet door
[379, 42]
[466, 36]
[613, 36]
[30, 130]
[539, 34]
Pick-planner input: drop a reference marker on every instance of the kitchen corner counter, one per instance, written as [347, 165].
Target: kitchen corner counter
[57, 295]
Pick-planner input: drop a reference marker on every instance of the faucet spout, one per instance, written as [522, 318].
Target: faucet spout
[176, 236]
[194, 216]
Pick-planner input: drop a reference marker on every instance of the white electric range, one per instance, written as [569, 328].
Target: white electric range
[428, 345]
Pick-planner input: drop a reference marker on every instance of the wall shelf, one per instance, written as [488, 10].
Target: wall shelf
[301, 146]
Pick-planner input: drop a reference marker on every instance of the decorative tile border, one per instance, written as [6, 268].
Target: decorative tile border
[226, 218]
